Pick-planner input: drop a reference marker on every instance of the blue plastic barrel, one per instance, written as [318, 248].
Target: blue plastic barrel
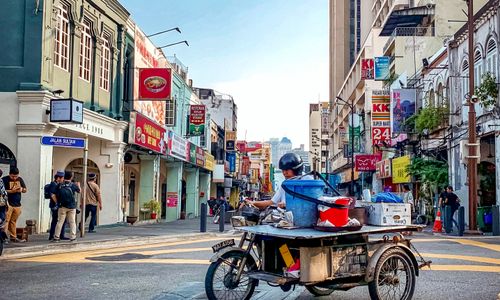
[305, 213]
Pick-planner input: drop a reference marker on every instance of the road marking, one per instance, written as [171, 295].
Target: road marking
[466, 268]
[463, 242]
[80, 256]
[481, 259]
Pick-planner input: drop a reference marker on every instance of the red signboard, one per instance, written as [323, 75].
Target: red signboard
[197, 114]
[200, 156]
[381, 117]
[366, 162]
[367, 68]
[172, 199]
[155, 83]
[147, 134]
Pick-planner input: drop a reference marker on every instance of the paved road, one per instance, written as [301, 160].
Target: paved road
[462, 269]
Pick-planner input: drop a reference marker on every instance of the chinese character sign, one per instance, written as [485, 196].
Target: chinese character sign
[147, 133]
[381, 117]
[399, 169]
[367, 69]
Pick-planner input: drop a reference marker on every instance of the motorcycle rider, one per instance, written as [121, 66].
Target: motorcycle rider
[291, 165]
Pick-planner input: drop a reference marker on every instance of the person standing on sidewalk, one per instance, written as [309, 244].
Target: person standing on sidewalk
[454, 203]
[54, 208]
[15, 186]
[92, 201]
[3, 207]
[66, 201]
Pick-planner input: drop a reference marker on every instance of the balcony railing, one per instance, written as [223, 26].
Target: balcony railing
[408, 31]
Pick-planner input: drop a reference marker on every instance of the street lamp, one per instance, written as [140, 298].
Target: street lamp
[351, 134]
[181, 42]
[164, 31]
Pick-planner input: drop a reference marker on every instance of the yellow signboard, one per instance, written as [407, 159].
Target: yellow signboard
[209, 162]
[399, 166]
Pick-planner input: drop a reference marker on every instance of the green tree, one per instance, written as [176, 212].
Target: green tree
[431, 174]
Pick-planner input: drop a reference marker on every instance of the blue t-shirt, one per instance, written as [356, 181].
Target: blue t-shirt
[53, 191]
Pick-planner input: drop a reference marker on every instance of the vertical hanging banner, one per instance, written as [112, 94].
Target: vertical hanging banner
[197, 120]
[231, 158]
[367, 69]
[400, 169]
[382, 65]
[381, 117]
[402, 107]
[230, 140]
[147, 56]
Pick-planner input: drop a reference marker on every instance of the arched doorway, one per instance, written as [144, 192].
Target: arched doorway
[76, 166]
[7, 159]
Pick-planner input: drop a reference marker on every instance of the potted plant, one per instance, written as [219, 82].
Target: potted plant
[154, 207]
[487, 92]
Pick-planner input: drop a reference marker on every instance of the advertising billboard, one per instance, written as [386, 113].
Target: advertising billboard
[399, 169]
[367, 162]
[178, 147]
[230, 140]
[402, 107]
[381, 117]
[382, 65]
[146, 133]
[146, 55]
[367, 69]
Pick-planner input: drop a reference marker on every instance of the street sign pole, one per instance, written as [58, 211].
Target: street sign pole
[84, 187]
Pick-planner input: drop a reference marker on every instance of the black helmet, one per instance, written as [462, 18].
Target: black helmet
[291, 161]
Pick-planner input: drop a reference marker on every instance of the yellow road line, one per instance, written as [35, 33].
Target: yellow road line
[463, 242]
[480, 259]
[465, 268]
[80, 256]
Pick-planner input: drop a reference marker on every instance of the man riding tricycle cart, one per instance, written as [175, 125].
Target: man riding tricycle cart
[320, 258]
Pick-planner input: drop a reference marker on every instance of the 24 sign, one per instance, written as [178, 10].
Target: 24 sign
[381, 134]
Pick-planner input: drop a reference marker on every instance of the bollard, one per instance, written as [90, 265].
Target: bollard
[495, 211]
[448, 223]
[203, 218]
[222, 214]
[461, 221]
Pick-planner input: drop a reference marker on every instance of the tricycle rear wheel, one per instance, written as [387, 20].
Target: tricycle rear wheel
[394, 277]
[221, 283]
[319, 291]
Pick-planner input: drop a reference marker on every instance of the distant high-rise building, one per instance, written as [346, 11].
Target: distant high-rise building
[274, 142]
[284, 147]
[304, 155]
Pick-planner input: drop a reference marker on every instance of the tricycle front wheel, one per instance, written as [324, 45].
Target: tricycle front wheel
[221, 281]
[319, 291]
[394, 277]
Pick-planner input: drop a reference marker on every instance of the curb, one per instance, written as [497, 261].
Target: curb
[67, 247]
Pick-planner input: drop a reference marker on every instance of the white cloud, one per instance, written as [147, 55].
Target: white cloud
[275, 103]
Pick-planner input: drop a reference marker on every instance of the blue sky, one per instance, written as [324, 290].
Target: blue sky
[270, 55]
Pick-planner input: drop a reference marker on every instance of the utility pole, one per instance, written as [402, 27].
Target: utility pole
[472, 146]
[352, 148]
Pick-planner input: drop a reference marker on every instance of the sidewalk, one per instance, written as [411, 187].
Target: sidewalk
[115, 235]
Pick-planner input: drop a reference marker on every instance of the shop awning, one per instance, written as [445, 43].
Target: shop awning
[408, 17]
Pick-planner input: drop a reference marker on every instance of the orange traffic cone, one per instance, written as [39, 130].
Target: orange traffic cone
[438, 226]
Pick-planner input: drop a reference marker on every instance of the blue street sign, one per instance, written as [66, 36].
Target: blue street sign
[61, 141]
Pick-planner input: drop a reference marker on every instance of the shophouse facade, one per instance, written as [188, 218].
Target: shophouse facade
[63, 49]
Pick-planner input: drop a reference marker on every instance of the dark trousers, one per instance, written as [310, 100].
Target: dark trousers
[53, 224]
[451, 221]
[92, 210]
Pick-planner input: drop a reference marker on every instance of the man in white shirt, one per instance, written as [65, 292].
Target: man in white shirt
[292, 166]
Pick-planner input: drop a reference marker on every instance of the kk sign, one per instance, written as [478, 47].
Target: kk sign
[381, 117]
[367, 69]
[197, 120]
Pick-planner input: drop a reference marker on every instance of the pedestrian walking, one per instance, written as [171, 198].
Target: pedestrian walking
[14, 186]
[454, 203]
[441, 203]
[92, 201]
[65, 194]
[54, 207]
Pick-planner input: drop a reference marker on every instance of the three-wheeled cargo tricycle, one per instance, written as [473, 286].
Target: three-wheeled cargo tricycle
[380, 257]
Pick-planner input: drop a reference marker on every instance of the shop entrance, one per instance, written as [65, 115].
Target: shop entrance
[183, 200]
[76, 166]
[7, 159]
